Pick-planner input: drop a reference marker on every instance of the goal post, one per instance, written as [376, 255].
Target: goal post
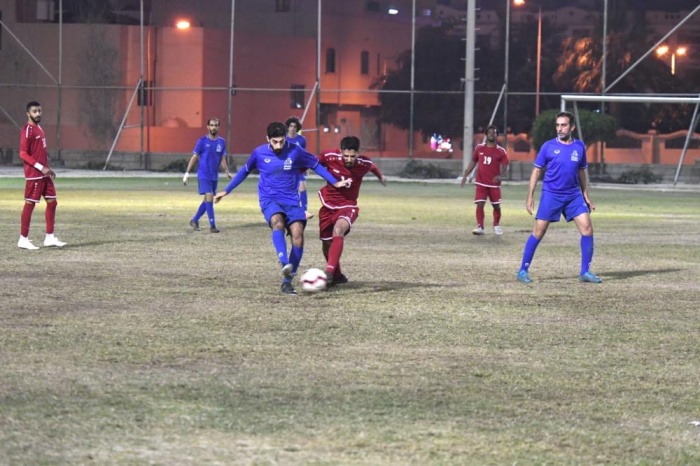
[638, 98]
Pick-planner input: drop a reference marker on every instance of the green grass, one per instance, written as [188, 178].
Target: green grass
[143, 342]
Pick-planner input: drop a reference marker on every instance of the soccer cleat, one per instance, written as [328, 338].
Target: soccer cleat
[287, 288]
[24, 243]
[524, 277]
[214, 230]
[478, 231]
[497, 230]
[309, 215]
[288, 271]
[589, 277]
[335, 279]
[53, 241]
[195, 224]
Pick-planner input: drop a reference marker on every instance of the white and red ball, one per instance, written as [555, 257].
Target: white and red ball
[313, 280]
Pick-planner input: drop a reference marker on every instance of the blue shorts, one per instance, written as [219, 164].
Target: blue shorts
[207, 186]
[293, 213]
[553, 206]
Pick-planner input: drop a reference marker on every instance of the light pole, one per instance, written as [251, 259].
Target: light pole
[663, 50]
[539, 54]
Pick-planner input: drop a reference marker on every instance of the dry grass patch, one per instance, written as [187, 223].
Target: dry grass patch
[146, 342]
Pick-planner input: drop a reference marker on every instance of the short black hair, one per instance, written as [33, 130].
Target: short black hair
[568, 115]
[350, 143]
[293, 119]
[491, 127]
[276, 129]
[33, 103]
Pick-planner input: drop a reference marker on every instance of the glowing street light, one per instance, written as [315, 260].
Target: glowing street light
[663, 50]
[182, 24]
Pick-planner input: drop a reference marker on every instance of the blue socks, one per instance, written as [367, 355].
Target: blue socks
[280, 245]
[209, 206]
[200, 211]
[295, 257]
[529, 252]
[586, 253]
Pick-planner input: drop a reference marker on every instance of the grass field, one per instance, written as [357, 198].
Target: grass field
[143, 342]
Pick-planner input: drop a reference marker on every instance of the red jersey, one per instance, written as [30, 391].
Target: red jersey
[339, 198]
[489, 161]
[32, 149]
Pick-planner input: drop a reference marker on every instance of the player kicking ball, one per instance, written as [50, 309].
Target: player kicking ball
[280, 163]
[339, 209]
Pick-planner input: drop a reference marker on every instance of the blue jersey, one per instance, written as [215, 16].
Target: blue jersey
[210, 153]
[279, 173]
[562, 163]
[299, 140]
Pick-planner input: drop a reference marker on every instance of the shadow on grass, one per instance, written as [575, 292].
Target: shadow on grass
[625, 274]
[379, 287]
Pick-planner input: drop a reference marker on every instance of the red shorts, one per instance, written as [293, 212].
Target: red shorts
[483, 193]
[34, 189]
[328, 217]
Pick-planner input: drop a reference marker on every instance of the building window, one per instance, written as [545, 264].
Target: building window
[330, 60]
[364, 62]
[282, 6]
[298, 96]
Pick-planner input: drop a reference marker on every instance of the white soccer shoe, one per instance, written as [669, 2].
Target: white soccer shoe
[497, 230]
[24, 243]
[478, 231]
[51, 240]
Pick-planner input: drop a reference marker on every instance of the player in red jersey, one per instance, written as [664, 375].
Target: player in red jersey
[39, 178]
[491, 161]
[339, 208]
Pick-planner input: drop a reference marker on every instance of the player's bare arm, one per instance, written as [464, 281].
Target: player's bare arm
[190, 165]
[48, 172]
[220, 195]
[530, 202]
[224, 166]
[583, 180]
[465, 176]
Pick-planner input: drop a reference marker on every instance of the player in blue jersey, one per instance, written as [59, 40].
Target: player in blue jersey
[280, 165]
[564, 192]
[210, 150]
[293, 135]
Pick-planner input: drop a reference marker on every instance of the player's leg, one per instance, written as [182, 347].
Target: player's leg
[549, 210]
[296, 223]
[480, 196]
[340, 230]
[495, 198]
[32, 195]
[583, 222]
[50, 215]
[209, 208]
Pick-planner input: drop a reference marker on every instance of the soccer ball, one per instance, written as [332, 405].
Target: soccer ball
[313, 280]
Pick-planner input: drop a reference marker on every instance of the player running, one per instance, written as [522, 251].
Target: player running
[280, 164]
[339, 208]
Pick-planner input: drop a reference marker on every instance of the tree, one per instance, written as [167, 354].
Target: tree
[580, 70]
[438, 67]
[595, 127]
